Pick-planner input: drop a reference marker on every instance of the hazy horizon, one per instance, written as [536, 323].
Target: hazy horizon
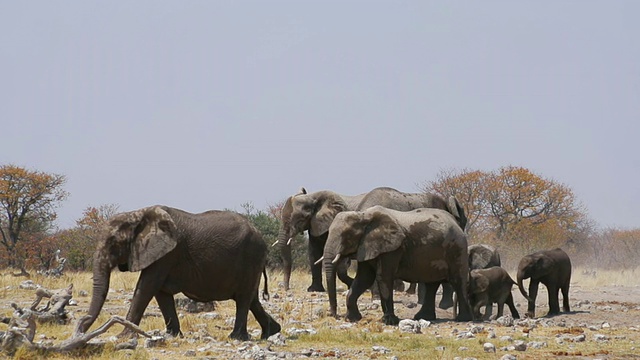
[208, 105]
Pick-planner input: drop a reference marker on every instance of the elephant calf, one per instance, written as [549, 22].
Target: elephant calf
[553, 269]
[488, 286]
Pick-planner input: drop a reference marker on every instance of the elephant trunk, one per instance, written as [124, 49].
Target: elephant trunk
[330, 272]
[285, 252]
[521, 277]
[101, 278]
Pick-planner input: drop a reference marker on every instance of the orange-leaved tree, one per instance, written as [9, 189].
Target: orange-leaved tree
[514, 206]
[80, 242]
[28, 200]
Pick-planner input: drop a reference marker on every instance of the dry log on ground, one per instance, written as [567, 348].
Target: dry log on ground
[22, 330]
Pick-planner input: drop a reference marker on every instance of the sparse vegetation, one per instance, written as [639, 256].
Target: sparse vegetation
[513, 209]
[308, 330]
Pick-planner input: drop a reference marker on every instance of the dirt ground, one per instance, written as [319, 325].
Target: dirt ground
[610, 311]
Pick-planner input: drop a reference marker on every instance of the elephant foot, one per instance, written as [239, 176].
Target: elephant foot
[355, 317]
[411, 290]
[316, 288]
[390, 320]
[174, 333]
[240, 335]
[445, 304]
[272, 329]
[424, 315]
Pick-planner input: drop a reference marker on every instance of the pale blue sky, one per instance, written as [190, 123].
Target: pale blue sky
[209, 104]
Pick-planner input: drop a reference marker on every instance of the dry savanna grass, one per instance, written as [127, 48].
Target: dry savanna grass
[309, 331]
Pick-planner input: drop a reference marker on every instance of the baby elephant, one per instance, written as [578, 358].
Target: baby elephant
[488, 286]
[551, 268]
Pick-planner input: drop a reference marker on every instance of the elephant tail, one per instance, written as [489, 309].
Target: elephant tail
[265, 291]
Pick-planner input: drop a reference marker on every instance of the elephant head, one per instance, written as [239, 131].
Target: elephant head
[533, 266]
[360, 234]
[134, 241]
[482, 256]
[478, 286]
[312, 212]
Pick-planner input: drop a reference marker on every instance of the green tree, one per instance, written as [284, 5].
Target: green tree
[28, 200]
[268, 223]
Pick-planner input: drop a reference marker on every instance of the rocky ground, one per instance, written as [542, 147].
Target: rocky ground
[604, 324]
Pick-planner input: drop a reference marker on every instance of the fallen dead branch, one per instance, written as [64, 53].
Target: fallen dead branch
[54, 311]
[22, 329]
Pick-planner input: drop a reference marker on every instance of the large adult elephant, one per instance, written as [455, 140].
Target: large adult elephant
[553, 269]
[215, 255]
[315, 211]
[422, 245]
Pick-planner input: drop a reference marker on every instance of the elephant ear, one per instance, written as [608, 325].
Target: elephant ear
[327, 209]
[153, 240]
[457, 211]
[382, 234]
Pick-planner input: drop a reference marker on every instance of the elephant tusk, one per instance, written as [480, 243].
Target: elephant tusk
[319, 260]
[335, 260]
[289, 242]
[274, 244]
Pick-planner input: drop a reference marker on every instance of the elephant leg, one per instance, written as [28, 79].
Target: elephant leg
[565, 298]
[422, 294]
[365, 277]
[428, 309]
[488, 310]
[316, 249]
[412, 289]
[267, 323]
[554, 304]
[147, 287]
[341, 271]
[447, 296]
[168, 308]
[375, 291]
[239, 332]
[512, 307]
[458, 279]
[499, 305]
[387, 266]
[533, 294]
[398, 285]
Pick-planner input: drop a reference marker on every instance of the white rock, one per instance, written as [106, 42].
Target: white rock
[506, 320]
[277, 339]
[520, 345]
[489, 347]
[380, 349]
[409, 326]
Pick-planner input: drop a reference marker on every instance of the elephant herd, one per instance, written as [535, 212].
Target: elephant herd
[219, 255]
